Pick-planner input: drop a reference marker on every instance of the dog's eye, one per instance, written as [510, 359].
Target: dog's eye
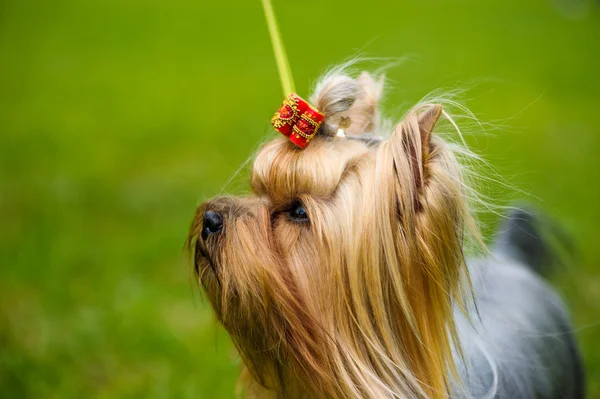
[298, 213]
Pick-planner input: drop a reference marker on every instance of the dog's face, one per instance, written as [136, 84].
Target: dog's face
[336, 277]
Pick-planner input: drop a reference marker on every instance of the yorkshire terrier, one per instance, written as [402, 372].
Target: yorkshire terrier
[344, 274]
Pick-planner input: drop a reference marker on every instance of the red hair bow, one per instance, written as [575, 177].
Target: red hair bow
[297, 120]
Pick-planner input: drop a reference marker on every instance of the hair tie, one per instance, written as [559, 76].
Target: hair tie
[297, 120]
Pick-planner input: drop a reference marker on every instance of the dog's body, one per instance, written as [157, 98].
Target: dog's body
[518, 342]
[344, 275]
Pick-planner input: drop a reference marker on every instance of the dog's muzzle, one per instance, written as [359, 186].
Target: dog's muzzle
[212, 223]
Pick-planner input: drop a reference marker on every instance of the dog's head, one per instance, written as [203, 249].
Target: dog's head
[336, 278]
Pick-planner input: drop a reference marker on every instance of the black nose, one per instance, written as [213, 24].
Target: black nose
[213, 223]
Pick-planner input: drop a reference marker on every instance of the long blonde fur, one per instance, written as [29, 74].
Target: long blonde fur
[358, 302]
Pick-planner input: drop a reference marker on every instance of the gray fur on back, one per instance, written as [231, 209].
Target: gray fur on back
[519, 342]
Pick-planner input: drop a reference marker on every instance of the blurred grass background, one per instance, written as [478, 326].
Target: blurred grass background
[118, 116]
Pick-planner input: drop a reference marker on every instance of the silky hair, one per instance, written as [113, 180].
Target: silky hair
[357, 301]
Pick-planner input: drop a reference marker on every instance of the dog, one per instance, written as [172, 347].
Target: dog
[344, 274]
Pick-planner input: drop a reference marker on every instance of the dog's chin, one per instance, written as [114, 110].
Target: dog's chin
[205, 264]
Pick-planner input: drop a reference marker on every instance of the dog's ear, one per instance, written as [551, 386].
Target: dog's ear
[427, 121]
[412, 147]
[418, 144]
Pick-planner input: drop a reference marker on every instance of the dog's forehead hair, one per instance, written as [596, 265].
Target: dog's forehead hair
[282, 172]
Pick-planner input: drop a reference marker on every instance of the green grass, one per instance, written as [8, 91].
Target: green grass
[118, 117]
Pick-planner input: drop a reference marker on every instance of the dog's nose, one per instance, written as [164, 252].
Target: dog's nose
[212, 223]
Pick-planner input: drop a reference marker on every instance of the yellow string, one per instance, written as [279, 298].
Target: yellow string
[283, 66]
